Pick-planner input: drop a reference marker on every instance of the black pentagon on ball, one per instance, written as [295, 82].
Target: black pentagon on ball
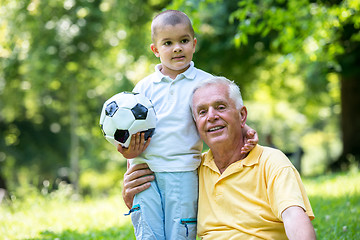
[121, 135]
[148, 133]
[139, 111]
[111, 109]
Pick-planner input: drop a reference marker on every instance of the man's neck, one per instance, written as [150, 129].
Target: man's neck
[225, 156]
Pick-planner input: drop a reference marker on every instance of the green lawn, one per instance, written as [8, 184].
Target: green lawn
[335, 200]
[62, 216]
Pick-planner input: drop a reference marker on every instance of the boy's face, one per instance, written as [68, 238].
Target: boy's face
[175, 46]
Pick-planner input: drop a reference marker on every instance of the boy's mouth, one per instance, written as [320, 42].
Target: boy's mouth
[178, 57]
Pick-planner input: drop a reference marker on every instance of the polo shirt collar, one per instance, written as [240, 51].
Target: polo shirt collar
[209, 161]
[190, 73]
[252, 159]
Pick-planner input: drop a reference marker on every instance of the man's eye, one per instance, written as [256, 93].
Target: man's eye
[202, 112]
[221, 107]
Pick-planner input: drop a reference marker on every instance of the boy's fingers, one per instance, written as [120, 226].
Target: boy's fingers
[132, 141]
[120, 149]
[137, 138]
[147, 143]
[142, 139]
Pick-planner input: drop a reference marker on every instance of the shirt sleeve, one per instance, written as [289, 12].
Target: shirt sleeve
[285, 189]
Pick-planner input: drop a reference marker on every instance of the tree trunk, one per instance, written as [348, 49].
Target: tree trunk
[74, 139]
[350, 98]
[3, 187]
[350, 123]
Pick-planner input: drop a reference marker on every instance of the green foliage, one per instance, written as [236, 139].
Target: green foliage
[96, 183]
[287, 58]
[60, 60]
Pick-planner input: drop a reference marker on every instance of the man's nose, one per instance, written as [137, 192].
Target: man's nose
[212, 114]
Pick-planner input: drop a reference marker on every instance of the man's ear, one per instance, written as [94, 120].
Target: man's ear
[154, 50]
[243, 116]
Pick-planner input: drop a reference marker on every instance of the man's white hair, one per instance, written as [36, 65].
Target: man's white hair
[234, 90]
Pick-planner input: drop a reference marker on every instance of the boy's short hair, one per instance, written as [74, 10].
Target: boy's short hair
[170, 17]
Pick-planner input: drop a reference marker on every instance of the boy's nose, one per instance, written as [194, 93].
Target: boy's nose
[177, 48]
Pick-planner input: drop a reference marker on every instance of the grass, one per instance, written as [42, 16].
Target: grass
[61, 215]
[335, 200]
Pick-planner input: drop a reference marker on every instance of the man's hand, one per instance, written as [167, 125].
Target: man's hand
[136, 179]
[250, 139]
[136, 147]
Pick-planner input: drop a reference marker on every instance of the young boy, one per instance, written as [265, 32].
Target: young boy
[168, 209]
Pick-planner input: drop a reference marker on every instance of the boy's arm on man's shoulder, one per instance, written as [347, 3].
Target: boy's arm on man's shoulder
[250, 139]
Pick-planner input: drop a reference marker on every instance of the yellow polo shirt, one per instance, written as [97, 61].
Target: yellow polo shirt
[247, 199]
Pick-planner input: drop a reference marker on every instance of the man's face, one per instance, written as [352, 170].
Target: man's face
[175, 46]
[217, 119]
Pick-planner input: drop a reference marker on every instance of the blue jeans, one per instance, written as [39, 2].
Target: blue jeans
[168, 209]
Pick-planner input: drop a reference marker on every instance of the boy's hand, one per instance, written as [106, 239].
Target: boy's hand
[136, 147]
[250, 139]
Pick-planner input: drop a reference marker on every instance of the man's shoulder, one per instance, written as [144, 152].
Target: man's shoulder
[272, 157]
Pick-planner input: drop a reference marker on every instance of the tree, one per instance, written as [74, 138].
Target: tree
[333, 29]
[322, 36]
[59, 61]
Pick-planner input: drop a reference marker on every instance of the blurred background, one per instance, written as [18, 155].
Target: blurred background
[297, 63]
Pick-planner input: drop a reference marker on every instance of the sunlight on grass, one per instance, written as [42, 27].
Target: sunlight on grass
[334, 185]
[50, 218]
[335, 200]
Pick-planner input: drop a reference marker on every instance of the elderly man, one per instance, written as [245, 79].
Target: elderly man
[241, 196]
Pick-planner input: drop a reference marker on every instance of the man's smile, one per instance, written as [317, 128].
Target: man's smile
[213, 129]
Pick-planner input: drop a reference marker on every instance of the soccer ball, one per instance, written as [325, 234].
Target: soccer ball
[125, 114]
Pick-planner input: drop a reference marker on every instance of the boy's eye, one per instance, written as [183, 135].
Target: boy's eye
[168, 43]
[185, 41]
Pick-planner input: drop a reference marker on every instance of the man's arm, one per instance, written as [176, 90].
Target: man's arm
[136, 179]
[297, 224]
